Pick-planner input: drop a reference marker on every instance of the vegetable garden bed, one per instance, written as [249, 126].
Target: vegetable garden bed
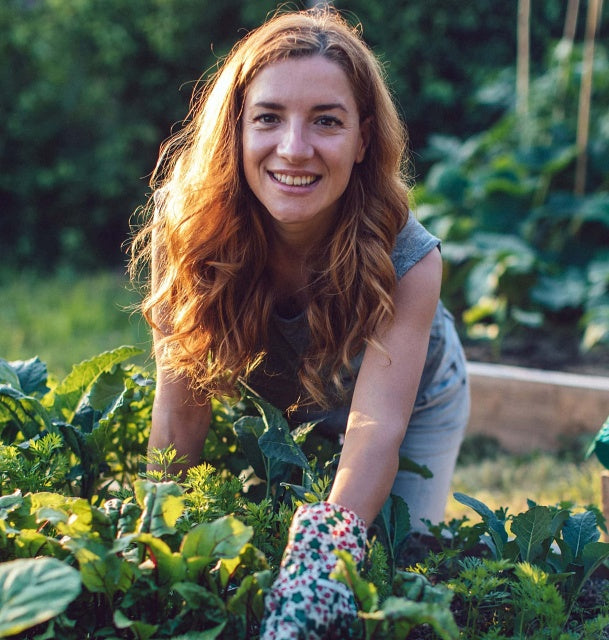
[93, 547]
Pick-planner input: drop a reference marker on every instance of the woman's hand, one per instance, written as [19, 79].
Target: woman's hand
[304, 602]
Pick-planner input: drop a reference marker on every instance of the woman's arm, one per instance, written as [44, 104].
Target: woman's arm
[179, 418]
[385, 393]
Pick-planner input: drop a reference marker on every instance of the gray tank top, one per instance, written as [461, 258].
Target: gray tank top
[276, 378]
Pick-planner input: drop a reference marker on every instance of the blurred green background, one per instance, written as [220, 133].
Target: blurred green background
[90, 88]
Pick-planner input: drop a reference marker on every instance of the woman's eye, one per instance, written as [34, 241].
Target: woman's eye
[329, 121]
[266, 118]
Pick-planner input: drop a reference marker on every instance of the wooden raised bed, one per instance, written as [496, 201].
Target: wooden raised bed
[533, 409]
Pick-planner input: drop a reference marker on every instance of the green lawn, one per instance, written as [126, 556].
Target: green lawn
[65, 319]
[510, 480]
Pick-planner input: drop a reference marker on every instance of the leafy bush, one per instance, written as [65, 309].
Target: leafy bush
[523, 251]
[89, 89]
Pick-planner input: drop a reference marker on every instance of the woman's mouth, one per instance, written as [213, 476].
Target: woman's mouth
[294, 181]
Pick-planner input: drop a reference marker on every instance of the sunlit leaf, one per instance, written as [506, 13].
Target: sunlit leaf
[33, 591]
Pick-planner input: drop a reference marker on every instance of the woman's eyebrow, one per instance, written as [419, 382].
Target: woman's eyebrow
[276, 106]
[330, 106]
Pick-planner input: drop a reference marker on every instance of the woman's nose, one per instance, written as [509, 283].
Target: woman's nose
[294, 144]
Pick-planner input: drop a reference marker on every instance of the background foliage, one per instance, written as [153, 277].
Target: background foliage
[89, 89]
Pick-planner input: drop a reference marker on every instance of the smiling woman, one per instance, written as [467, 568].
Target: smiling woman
[283, 254]
[301, 138]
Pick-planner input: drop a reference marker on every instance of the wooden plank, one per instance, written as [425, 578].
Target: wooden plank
[532, 409]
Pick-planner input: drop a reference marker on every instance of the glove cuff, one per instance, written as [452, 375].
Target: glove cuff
[321, 528]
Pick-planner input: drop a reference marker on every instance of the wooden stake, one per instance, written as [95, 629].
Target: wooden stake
[571, 21]
[585, 96]
[522, 69]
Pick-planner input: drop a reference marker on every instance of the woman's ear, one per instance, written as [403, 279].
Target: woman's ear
[364, 130]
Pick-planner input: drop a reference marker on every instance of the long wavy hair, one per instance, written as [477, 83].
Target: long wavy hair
[209, 239]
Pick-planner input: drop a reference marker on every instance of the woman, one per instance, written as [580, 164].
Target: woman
[284, 253]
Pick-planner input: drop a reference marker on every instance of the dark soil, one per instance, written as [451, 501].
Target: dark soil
[591, 602]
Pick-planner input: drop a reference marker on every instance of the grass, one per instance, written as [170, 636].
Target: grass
[67, 318]
[504, 480]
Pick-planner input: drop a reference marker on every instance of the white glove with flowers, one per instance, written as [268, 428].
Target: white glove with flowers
[304, 603]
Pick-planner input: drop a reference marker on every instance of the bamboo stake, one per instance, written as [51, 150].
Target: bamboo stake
[564, 61]
[571, 21]
[585, 96]
[522, 68]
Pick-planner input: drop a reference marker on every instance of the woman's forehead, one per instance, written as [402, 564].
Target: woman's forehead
[315, 79]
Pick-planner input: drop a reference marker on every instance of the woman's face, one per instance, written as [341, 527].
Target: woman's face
[301, 137]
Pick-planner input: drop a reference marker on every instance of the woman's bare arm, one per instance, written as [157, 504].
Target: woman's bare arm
[179, 418]
[385, 393]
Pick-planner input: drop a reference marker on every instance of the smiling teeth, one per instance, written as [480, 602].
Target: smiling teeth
[294, 181]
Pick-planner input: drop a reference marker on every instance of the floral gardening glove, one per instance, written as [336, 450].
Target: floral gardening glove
[304, 603]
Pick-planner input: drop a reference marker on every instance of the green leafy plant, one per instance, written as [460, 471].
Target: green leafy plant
[99, 411]
[143, 554]
[524, 253]
[562, 543]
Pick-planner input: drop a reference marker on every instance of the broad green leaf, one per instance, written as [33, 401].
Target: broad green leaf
[279, 445]
[396, 516]
[203, 600]
[594, 207]
[567, 290]
[104, 572]
[251, 594]
[548, 159]
[72, 518]
[27, 412]
[346, 572]
[222, 538]
[406, 615]
[8, 375]
[66, 397]
[31, 544]
[9, 503]
[141, 630]
[32, 375]
[249, 558]
[276, 442]
[579, 530]
[34, 591]
[415, 586]
[273, 418]
[300, 433]
[162, 504]
[248, 430]
[479, 507]
[171, 566]
[494, 525]
[593, 554]
[600, 445]
[107, 389]
[531, 529]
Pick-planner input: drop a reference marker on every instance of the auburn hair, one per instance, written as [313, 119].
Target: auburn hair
[211, 298]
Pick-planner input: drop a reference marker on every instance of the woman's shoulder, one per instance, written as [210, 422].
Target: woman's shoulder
[412, 244]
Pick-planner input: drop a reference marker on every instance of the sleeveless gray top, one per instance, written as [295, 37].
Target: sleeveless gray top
[276, 378]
